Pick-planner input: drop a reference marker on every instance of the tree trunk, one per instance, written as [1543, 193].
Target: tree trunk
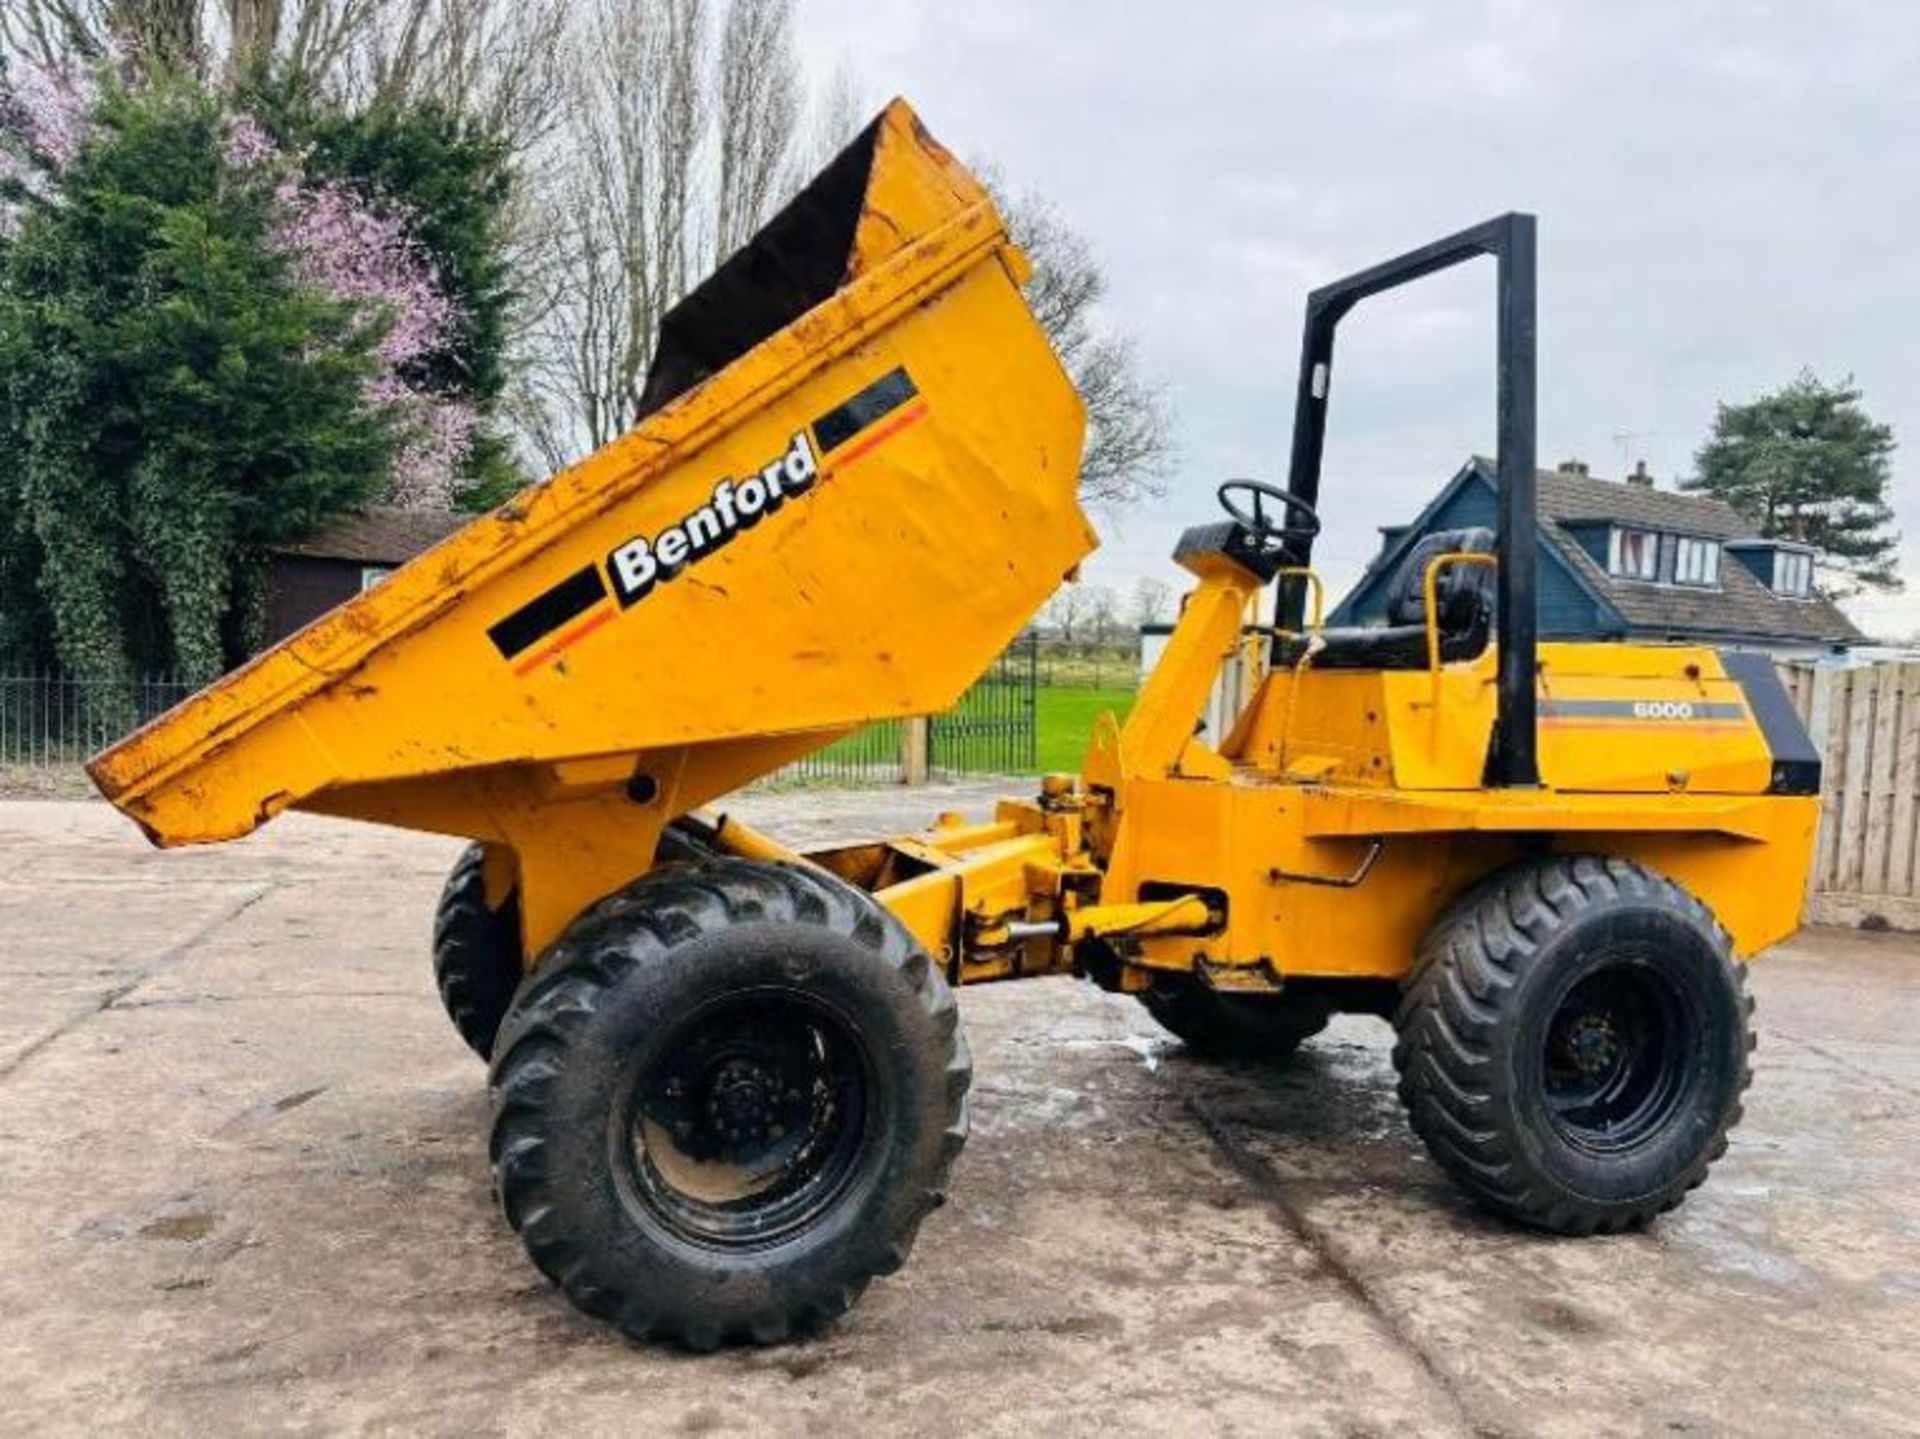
[255, 26]
[159, 33]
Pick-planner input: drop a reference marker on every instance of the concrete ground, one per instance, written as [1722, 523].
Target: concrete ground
[243, 1187]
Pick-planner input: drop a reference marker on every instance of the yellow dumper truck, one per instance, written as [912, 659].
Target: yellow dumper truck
[729, 1079]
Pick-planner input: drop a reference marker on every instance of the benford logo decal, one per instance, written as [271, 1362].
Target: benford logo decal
[551, 622]
[643, 562]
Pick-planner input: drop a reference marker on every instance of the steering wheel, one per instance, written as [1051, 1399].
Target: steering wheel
[1269, 533]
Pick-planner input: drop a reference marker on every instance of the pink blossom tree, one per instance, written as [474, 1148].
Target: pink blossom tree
[43, 124]
[339, 241]
[355, 251]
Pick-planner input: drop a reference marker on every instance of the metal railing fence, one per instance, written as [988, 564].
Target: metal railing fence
[52, 720]
[994, 729]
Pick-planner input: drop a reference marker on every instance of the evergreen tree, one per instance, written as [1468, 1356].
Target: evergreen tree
[172, 399]
[453, 181]
[1808, 463]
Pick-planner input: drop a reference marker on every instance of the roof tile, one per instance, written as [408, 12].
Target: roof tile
[378, 535]
[1741, 607]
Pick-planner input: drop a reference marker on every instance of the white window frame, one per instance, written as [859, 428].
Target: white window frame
[1793, 574]
[1649, 567]
[1696, 562]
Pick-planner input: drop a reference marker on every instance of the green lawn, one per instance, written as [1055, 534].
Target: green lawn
[1063, 722]
[1064, 716]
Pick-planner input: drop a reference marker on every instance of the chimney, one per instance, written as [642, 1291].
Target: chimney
[1573, 467]
[1640, 476]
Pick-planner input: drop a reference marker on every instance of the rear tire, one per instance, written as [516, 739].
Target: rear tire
[1258, 1028]
[477, 964]
[1574, 1044]
[476, 953]
[725, 1101]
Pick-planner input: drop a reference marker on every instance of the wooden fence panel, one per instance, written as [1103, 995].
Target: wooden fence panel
[1850, 842]
[1903, 823]
[1866, 724]
[1886, 704]
[1832, 744]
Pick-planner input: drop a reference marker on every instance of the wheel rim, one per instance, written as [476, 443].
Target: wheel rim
[748, 1124]
[1617, 1057]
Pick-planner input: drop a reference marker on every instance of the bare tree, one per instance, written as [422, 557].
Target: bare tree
[491, 59]
[1103, 614]
[1066, 613]
[51, 33]
[837, 113]
[759, 113]
[672, 137]
[1149, 601]
[678, 142]
[637, 109]
[654, 137]
[253, 28]
[1129, 446]
[167, 32]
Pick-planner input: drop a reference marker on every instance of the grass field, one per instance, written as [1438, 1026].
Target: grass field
[1089, 668]
[1063, 720]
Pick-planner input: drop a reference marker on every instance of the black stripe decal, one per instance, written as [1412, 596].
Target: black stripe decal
[1796, 763]
[545, 613]
[881, 398]
[1642, 709]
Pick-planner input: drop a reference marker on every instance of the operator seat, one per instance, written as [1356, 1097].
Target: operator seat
[1462, 593]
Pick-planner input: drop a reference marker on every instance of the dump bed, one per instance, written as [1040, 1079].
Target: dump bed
[853, 481]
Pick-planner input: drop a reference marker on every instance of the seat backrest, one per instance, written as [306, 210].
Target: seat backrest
[1462, 593]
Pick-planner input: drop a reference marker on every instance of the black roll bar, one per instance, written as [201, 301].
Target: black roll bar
[1511, 758]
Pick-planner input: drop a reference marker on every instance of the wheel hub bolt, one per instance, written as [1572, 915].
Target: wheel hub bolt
[1592, 1044]
[740, 1101]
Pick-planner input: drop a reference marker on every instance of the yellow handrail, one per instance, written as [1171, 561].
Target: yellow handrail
[1430, 595]
[1314, 626]
[1313, 584]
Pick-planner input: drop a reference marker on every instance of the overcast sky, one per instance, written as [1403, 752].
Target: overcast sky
[1726, 192]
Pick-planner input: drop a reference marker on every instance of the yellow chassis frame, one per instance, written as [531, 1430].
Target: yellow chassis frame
[1290, 850]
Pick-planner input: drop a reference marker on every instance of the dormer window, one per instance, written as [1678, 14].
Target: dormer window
[1696, 562]
[1634, 554]
[1793, 574]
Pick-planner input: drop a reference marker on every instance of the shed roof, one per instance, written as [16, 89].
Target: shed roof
[378, 535]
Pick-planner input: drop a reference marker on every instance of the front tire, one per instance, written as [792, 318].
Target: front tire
[1574, 1044]
[726, 1101]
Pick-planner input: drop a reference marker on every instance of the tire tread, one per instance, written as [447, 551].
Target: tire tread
[1466, 971]
[604, 945]
[476, 954]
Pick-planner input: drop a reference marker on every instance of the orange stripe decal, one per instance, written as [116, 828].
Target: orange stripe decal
[591, 621]
[892, 427]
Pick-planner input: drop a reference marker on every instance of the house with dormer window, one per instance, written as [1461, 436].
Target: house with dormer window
[1620, 559]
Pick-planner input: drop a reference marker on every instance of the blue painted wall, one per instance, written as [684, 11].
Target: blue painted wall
[1591, 536]
[1758, 561]
[1567, 610]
